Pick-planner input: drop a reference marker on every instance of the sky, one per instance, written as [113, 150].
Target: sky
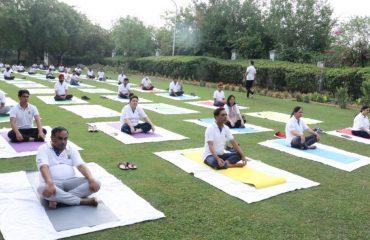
[106, 12]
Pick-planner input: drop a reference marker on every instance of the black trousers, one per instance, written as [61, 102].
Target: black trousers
[179, 93]
[58, 98]
[26, 134]
[248, 86]
[362, 134]
[9, 78]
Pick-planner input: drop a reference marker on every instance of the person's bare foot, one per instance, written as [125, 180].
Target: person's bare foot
[53, 205]
[89, 201]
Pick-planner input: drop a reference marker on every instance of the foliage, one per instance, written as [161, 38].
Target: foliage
[365, 89]
[341, 97]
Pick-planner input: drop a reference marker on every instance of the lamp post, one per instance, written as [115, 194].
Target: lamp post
[174, 30]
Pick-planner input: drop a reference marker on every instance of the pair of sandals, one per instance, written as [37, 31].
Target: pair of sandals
[126, 166]
[92, 128]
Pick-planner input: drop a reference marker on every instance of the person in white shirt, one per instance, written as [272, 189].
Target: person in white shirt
[20, 68]
[61, 90]
[4, 110]
[294, 131]
[8, 74]
[219, 96]
[124, 89]
[61, 69]
[90, 74]
[250, 76]
[234, 118]
[175, 89]
[51, 67]
[21, 117]
[361, 126]
[101, 75]
[131, 115]
[74, 79]
[50, 75]
[216, 137]
[121, 78]
[41, 66]
[58, 181]
[78, 71]
[146, 84]
[32, 71]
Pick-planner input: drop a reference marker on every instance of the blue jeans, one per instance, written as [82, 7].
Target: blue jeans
[296, 142]
[145, 127]
[232, 158]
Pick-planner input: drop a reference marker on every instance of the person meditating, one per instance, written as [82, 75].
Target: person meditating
[216, 136]
[131, 114]
[234, 118]
[90, 74]
[8, 74]
[4, 110]
[175, 89]
[61, 90]
[124, 89]
[294, 131]
[21, 117]
[50, 75]
[146, 84]
[361, 126]
[219, 96]
[58, 182]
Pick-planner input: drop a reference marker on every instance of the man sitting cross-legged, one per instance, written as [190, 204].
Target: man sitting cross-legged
[58, 181]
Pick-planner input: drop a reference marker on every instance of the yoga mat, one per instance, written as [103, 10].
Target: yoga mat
[113, 129]
[95, 90]
[29, 85]
[82, 85]
[23, 146]
[50, 100]
[10, 102]
[183, 97]
[280, 117]
[24, 217]
[347, 134]
[41, 91]
[209, 104]
[123, 100]
[154, 90]
[246, 174]
[244, 192]
[91, 111]
[166, 109]
[71, 217]
[21, 81]
[4, 119]
[249, 128]
[325, 154]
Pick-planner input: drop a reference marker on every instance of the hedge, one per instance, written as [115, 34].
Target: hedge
[277, 75]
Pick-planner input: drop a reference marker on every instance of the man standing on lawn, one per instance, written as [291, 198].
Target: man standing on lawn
[250, 76]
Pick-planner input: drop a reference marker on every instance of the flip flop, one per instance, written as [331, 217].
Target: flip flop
[131, 166]
[123, 166]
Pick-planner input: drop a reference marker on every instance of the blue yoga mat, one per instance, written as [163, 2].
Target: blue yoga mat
[338, 157]
[241, 130]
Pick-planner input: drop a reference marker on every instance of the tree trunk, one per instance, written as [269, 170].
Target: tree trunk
[18, 55]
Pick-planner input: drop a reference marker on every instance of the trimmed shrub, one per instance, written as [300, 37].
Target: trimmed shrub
[342, 97]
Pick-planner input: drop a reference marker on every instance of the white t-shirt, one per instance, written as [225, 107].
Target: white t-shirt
[121, 77]
[61, 167]
[24, 117]
[251, 71]
[146, 82]
[175, 87]
[292, 125]
[2, 98]
[359, 122]
[101, 74]
[90, 73]
[219, 96]
[61, 88]
[20, 68]
[133, 116]
[8, 73]
[61, 69]
[232, 112]
[218, 138]
[124, 89]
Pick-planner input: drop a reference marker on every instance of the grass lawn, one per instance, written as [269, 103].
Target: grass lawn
[337, 209]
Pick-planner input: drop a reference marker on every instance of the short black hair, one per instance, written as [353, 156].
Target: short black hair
[23, 91]
[252, 62]
[217, 111]
[364, 108]
[134, 96]
[125, 79]
[295, 110]
[58, 130]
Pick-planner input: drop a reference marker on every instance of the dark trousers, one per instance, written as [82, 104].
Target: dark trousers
[248, 86]
[145, 127]
[147, 88]
[362, 134]
[91, 77]
[218, 104]
[179, 93]
[26, 134]
[232, 157]
[296, 142]
[125, 96]
[238, 124]
[9, 78]
[59, 98]
[50, 76]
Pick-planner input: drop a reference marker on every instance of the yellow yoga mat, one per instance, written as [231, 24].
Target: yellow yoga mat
[246, 174]
[282, 117]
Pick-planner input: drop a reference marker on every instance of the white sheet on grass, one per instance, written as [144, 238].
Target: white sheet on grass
[209, 104]
[10, 102]
[82, 85]
[125, 100]
[155, 90]
[8, 152]
[91, 111]
[29, 85]
[21, 81]
[166, 135]
[23, 217]
[256, 128]
[280, 117]
[95, 90]
[41, 91]
[349, 167]
[234, 188]
[349, 137]
[184, 97]
[166, 109]
[50, 100]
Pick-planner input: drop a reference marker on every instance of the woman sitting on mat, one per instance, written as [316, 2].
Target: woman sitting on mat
[294, 131]
[234, 118]
[361, 126]
[219, 96]
[131, 114]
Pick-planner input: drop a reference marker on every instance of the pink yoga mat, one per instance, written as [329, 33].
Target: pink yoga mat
[24, 146]
[117, 125]
[347, 131]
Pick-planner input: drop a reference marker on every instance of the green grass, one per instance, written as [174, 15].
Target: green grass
[337, 209]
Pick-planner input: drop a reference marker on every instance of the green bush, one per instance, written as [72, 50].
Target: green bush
[306, 98]
[342, 97]
[365, 89]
